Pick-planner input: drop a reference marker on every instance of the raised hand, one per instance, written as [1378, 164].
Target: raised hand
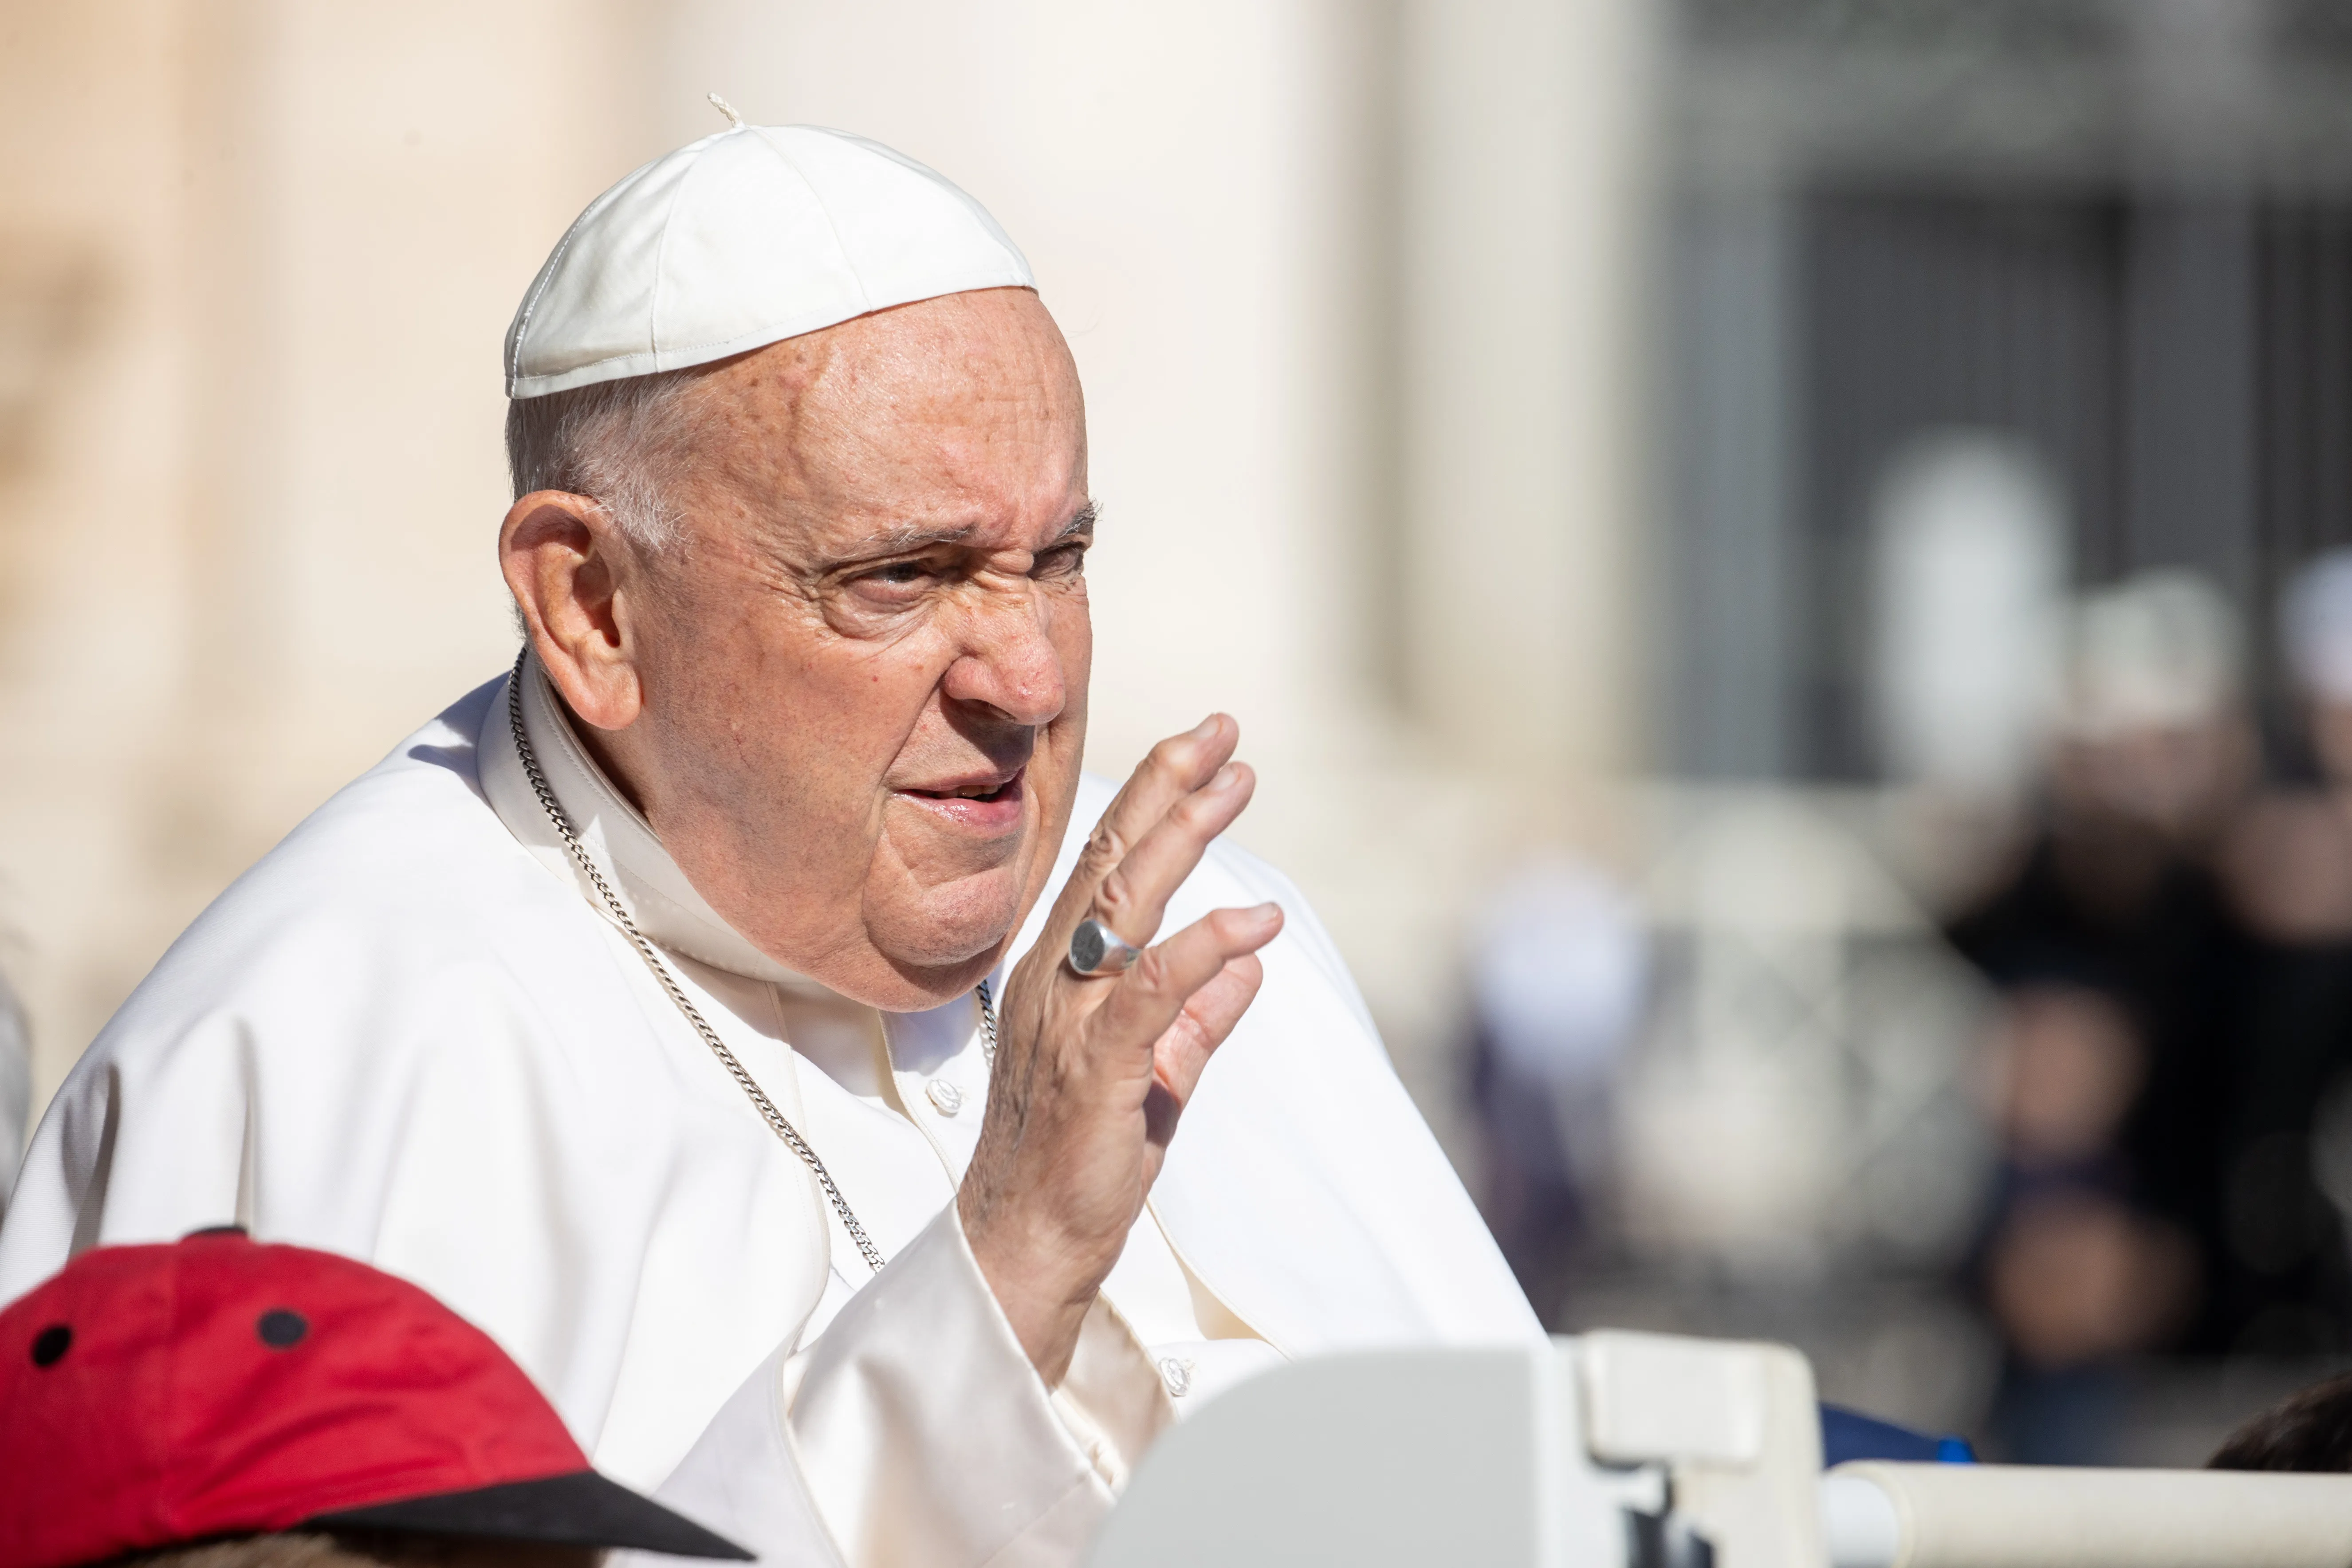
[1093, 1072]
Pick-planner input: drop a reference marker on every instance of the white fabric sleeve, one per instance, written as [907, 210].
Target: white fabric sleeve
[914, 1431]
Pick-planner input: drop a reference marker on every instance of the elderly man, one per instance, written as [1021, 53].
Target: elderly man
[646, 1005]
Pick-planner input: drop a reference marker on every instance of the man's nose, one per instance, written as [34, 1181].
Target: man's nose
[1009, 662]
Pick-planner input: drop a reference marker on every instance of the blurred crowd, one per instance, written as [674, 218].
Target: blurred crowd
[2171, 1070]
[2162, 924]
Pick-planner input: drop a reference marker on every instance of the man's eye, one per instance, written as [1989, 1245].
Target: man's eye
[1067, 560]
[899, 573]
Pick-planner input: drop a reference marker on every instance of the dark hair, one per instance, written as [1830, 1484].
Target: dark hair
[2311, 1430]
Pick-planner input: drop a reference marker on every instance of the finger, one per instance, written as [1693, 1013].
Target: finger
[1173, 769]
[1150, 996]
[1132, 898]
[1183, 1052]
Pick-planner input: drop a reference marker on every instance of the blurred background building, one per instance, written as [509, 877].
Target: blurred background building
[1763, 549]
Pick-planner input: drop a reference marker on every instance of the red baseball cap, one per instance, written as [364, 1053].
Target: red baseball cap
[155, 1395]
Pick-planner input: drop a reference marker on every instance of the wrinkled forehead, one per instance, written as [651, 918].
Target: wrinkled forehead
[965, 406]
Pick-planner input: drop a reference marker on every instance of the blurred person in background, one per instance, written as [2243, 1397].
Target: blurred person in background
[2120, 964]
[2074, 1271]
[2280, 1274]
[1559, 972]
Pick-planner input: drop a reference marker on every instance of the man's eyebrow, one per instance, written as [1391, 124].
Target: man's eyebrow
[911, 536]
[908, 536]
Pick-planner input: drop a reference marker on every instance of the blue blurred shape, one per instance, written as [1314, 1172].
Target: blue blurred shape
[1849, 1434]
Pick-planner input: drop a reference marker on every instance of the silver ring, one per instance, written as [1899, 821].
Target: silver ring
[1096, 949]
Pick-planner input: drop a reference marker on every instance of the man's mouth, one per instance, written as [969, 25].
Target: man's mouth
[991, 789]
[988, 803]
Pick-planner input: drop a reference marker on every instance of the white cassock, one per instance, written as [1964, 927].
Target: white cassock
[411, 1035]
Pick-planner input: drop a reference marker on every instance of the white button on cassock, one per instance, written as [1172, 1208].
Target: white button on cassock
[945, 1097]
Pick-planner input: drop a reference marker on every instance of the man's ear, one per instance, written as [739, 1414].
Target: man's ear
[572, 576]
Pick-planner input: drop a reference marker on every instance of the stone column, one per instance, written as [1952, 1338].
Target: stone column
[1527, 146]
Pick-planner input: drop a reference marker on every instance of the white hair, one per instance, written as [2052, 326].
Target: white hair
[619, 443]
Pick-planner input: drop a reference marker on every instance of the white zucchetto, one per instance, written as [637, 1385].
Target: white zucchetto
[744, 239]
[2316, 624]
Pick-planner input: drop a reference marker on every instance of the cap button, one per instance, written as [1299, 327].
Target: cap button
[281, 1328]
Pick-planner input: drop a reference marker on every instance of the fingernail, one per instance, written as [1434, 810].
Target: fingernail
[1223, 778]
[1206, 728]
[1265, 911]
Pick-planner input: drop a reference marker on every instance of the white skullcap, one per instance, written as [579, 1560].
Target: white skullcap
[744, 239]
[2316, 624]
[2159, 651]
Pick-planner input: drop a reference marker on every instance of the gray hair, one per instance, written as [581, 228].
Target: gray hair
[619, 443]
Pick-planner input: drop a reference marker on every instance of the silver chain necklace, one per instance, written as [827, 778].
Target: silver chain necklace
[735, 1070]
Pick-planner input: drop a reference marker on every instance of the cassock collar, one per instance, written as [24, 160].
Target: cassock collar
[649, 884]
